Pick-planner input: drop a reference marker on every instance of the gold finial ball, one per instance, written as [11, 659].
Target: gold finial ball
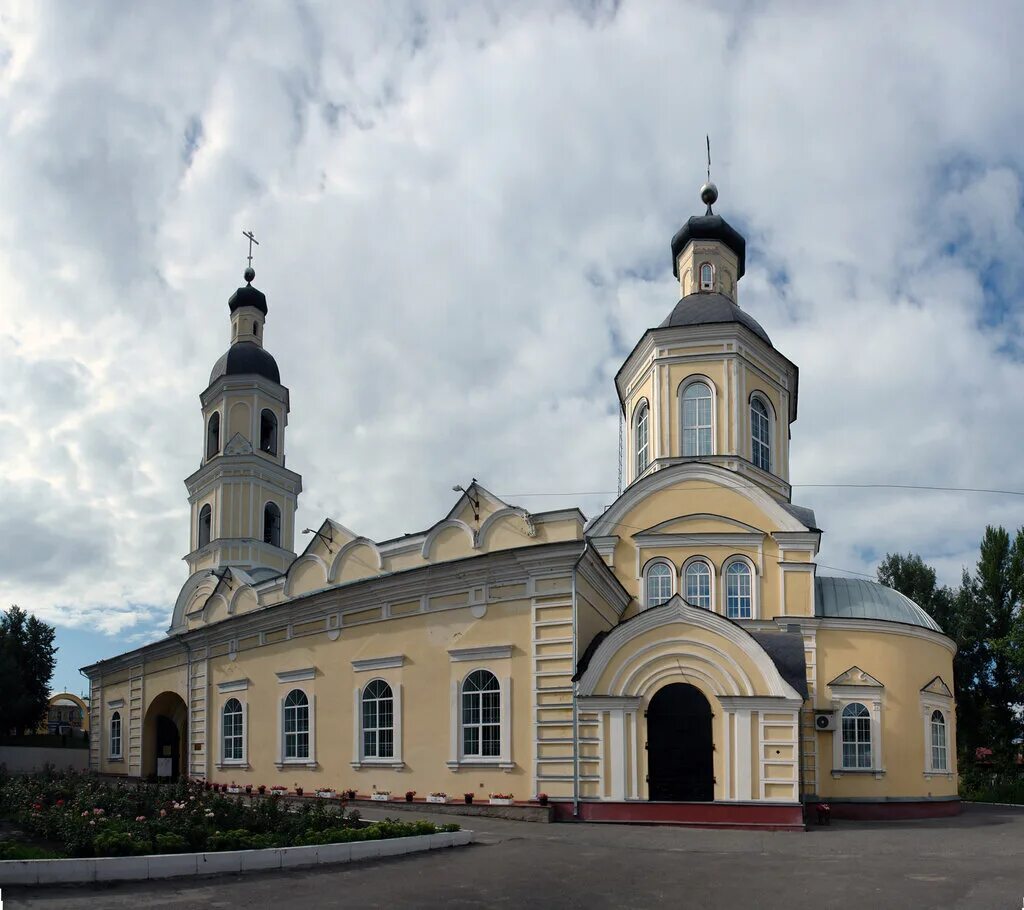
[709, 194]
[250, 273]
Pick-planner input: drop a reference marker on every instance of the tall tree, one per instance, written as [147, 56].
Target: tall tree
[27, 660]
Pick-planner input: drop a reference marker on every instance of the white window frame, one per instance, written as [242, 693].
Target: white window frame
[871, 697]
[119, 753]
[688, 383]
[223, 760]
[359, 757]
[764, 401]
[458, 758]
[708, 285]
[712, 581]
[309, 760]
[645, 576]
[643, 408]
[755, 582]
[931, 702]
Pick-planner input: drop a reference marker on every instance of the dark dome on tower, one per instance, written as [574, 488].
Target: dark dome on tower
[708, 309]
[709, 227]
[248, 296]
[246, 358]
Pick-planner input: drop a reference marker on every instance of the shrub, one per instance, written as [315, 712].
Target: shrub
[171, 843]
[120, 843]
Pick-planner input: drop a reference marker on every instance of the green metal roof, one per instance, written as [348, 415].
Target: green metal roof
[855, 598]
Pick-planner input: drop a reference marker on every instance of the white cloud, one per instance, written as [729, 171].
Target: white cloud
[465, 214]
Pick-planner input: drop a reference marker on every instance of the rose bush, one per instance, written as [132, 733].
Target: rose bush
[85, 815]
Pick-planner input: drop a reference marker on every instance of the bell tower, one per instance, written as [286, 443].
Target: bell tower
[243, 498]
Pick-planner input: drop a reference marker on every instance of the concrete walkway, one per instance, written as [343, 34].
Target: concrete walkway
[975, 860]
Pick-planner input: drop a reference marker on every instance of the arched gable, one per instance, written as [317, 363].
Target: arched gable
[243, 599]
[676, 640]
[307, 573]
[197, 588]
[717, 481]
[506, 528]
[442, 544]
[359, 558]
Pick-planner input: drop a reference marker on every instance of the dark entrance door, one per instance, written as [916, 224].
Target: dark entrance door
[679, 750]
[168, 746]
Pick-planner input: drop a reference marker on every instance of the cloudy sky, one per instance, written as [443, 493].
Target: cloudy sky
[464, 212]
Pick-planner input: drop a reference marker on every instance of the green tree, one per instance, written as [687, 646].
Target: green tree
[27, 659]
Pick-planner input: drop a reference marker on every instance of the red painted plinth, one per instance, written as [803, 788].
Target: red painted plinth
[770, 817]
[893, 811]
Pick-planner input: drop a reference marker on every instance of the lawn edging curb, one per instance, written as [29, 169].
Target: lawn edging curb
[174, 865]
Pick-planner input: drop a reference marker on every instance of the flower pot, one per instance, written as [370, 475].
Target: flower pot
[262, 789]
[350, 794]
[380, 797]
[543, 800]
[499, 801]
[408, 797]
[326, 794]
[469, 799]
[443, 800]
[248, 789]
[298, 791]
[234, 789]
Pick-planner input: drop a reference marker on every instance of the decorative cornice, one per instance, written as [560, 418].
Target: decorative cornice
[378, 663]
[290, 676]
[492, 652]
[609, 702]
[759, 703]
[855, 676]
[116, 703]
[233, 685]
[887, 627]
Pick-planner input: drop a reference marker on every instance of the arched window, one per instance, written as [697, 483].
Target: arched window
[760, 435]
[707, 276]
[856, 736]
[115, 735]
[256, 328]
[232, 730]
[481, 715]
[205, 530]
[213, 435]
[739, 601]
[938, 728]
[642, 433]
[272, 524]
[697, 406]
[698, 584]
[268, 432]
[378, 720]
[296, 725]
[658, 584]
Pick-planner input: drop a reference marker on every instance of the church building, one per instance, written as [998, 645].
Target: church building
[677, 658]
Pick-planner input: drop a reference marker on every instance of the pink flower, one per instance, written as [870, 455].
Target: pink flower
[138, 818]
[163, 812]
[97, 811]
[85, 813]
[59, 803]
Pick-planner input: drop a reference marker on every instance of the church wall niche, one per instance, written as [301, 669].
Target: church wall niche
[240, 420]
[359, 561]
[307, 574]
[452, 542]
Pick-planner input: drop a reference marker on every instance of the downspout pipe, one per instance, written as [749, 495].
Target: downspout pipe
[575, 687]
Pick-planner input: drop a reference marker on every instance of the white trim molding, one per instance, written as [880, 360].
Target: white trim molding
[491, 652]
[359, 759]
[233, 685]
[116, 703]
[378, 663]
[857, 686]
[294, 676]
[936, 696]
[457, 761]
[309, 760]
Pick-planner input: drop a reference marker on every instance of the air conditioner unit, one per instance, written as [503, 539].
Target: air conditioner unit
[824, 720]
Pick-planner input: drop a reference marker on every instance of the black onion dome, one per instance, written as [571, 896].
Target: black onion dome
[709, 227]
[248, 296]
[709, 309]
[246, 358]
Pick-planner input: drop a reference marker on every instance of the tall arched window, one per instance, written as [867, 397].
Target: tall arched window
[205, 529]
[378, 720]
[115, 735]
[760, 435]
[697, 405]
[856, 736]
[939, 752]
[296, 725]
[268, 432]
[213, 435]
[642, 437]
[232, 730]
[272, 524]
[707, 276]
[658, 584]
[481, 715]
[739, 601]
[698, 584]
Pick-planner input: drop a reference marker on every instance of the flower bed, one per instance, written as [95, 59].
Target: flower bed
[85, 816]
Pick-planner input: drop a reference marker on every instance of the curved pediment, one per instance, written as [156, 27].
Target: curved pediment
[677, 639]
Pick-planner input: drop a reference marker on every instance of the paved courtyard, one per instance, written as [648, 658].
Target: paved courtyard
[975, 860]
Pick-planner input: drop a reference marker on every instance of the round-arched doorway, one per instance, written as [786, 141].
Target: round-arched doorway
[164, 739]
[680, 752]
